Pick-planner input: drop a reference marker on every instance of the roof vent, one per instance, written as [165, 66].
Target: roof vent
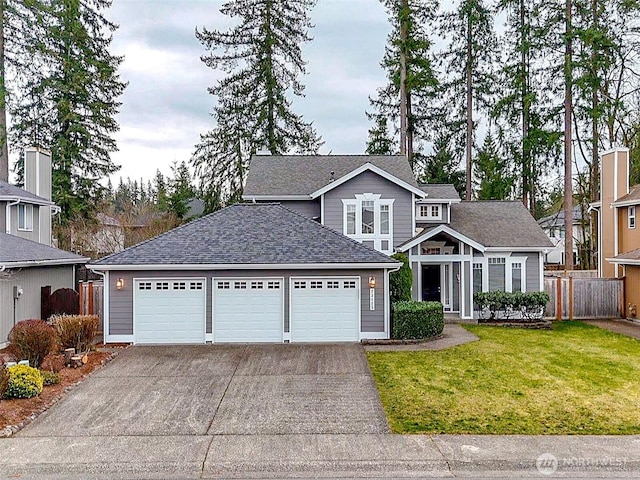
[333, 176]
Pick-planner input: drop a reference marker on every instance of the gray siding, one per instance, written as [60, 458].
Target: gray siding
[369, 182]
[3, 217]
[121, 301]
[456, 287]
[33, 235]
[31, 280]
[468, 295]
[533, 271]
[308, 208]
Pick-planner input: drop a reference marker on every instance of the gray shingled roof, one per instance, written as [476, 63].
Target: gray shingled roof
[495, 224]
[631, 255]
[441, 191]
[11, 191]
[16, 250]
[498, 224]
[248, 234]
[279, 175]
[632, 196]
[557, 219]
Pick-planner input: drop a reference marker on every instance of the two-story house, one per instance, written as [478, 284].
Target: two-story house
[618, 234]
[27, 259]
[307, 257]
[553, 226]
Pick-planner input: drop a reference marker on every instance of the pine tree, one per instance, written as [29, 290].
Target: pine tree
[493, 179]
[262, 58]
[409, 100]
[440, 166]
[469, 61]
[181, 188]
[379, 143]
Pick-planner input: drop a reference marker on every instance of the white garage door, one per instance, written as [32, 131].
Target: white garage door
[169, 311]
[248, 310]
[325, 309]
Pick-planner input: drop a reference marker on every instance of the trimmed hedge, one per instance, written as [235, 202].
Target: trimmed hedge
[24, 382]
[416, 320]
[32, 340]
[506, 305]
[76, 331]
[400, 282]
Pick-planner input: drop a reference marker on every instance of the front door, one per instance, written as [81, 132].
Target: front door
[431, 283]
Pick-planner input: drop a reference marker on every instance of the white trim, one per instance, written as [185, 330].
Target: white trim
[622, 261]
[626, 203]
[438, 200]
[374, 336]
[376, 237]
[119, 339]
[247, 266]
[42, 263]
[430, 259]
[613, 150]
[322, 209]
[517, 249]
[541, 272]
[106, 292]
[413, 214]
[364, 168]
[21, 199]
[439, 229]
[630, 216]
[615, 238]
[26, 227]
[430, 207]
[274, 198]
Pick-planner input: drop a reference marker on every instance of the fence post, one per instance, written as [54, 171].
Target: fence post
[559, 299]
[45, 302]
[81, 298]
[90, 297]
[570, 298]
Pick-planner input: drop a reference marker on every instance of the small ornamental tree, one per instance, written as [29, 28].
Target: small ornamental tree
[400, 282]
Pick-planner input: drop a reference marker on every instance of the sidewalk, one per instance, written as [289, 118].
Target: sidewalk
[317, 456]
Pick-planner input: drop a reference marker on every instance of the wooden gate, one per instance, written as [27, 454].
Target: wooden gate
[584, 298]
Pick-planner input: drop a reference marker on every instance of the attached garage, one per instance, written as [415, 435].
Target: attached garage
[248, 309]
[169, 311]
[247, 273]
[325, 309]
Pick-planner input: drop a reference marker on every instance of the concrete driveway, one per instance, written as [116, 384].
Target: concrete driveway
[220, 390]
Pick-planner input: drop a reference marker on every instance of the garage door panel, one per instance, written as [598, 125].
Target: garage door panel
[169, 311]
[248, 310]
[325, 309]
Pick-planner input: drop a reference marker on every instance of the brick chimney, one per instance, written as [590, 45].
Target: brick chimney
[37, 180]
[614, 184]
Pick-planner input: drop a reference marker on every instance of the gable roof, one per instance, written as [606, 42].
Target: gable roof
[245, 235]
[631, 198]
[495, 225]
[18, 252]
[557, 219]
[10, 192]
[439, 191]
[281, 176]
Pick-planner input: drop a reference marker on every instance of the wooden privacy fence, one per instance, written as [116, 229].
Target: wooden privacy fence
[91, 298]
[584, 298]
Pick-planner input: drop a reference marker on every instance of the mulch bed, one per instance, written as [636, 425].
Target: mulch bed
[534, 325]
[17, 413]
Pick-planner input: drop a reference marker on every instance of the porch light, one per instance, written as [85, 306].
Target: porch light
[120, 284]
[372, 282]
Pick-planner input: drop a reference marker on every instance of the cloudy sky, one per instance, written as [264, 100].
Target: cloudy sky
[166, 105]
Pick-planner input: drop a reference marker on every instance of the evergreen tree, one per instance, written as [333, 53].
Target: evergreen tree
[181, 188]
[262, 58]
[72, 107]
[379, 143]
[409, 100]
[469, 62]
[160, 189]
[493, 179]
[440, 165]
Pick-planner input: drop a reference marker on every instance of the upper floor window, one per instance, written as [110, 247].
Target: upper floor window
[430, 211]
[25, 217]
[632, 216]
[351, 219]
[369, 219]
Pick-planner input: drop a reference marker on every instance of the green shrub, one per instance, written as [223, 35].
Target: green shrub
[76, 331]
[400, 282]
[4, 380]
[505, 305]
[32, 340]
[415, 320]
[49, 378]
[24, 382]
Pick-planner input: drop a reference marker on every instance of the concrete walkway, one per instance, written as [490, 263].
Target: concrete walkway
[624, 327]
[452, 335]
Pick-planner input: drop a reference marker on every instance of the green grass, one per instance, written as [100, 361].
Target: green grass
[575, 379]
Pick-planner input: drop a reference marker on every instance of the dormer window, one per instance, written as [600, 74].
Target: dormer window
[25, 217]
[430, 212]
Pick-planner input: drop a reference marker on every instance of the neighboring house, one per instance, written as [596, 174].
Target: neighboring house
[618, 234]
[307, 259]
[27, 259]
[553, 226]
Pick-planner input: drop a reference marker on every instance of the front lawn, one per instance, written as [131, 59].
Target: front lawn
[575, 379]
